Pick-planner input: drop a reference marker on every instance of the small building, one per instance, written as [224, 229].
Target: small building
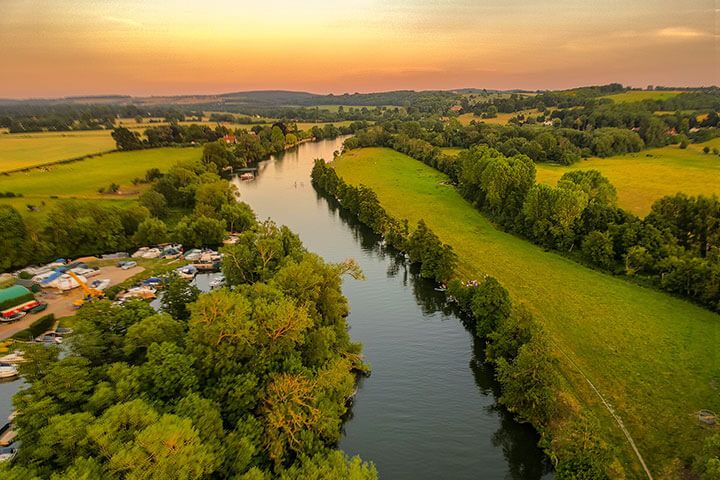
[230, 139]
[456, 108]
[16, 299]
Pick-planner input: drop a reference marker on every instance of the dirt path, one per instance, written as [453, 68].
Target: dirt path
[60, 304]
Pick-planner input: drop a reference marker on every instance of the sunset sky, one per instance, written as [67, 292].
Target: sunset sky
[156, 47]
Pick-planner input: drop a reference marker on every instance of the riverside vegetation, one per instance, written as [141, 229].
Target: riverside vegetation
[250, 383]
[625, 333]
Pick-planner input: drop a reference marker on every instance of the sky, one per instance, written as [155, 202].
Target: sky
[58, 48]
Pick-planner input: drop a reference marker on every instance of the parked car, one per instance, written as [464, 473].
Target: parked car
[127, 265]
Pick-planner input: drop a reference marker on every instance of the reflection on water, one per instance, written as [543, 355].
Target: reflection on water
[429, 409]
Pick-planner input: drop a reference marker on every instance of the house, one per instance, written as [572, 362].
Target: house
[456, 108]
[230, 138]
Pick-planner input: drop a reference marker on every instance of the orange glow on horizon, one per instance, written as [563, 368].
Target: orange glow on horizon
[85, 47]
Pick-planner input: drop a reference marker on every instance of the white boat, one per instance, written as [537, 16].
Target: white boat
[18, 356]
[187, 272]
[8, 371]
[65, 282]
[7, 454]
[140, 252]
[146, 293]
[192, 255]
[152, 253]
[128, 265]
[217, 282]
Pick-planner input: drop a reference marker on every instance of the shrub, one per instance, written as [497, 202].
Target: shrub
[37, 328]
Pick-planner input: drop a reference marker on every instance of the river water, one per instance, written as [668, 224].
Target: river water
[429, 410]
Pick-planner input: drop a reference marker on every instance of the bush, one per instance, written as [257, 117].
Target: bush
[37, 328]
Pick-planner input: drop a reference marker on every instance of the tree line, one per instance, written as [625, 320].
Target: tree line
[542, 144]
[436, 260]
[251, 383]
[38, 117]
[516, 344]
[189, 204]
[674, 248]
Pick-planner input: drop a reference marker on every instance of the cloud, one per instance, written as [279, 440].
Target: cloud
[680, 33]
[123, 21]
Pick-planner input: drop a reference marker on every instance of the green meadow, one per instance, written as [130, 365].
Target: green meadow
[22, 150]
[83, 179]
[640, 95]
[652, 356]
[643, 177]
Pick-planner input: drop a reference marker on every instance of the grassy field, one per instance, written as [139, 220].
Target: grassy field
[500, 119]
[83, 179]
[653, 357]
[451, 151]
[21, 150]
[643, 177]
[640, 95]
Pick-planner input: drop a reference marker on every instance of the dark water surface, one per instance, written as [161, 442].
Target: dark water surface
[429, 409]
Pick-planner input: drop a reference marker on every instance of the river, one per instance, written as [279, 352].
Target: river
[429, 410]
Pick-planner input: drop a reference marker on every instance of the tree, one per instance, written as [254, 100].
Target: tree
[178, 295]
[219, 154]
[333, 465]
[152, 231]
[154, 329]
[490, 305]
[238, 216]
[598, 248]
[126, 139]
[155, 202]
[529, 383]
[168, 372]
[13, 236]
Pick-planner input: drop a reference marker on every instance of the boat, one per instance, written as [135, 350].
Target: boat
[247, 176]
[18, 356]
[50, 337]
[152, 253]
[100, 284]
[127, 265]
[7, 434]
[153, 282]
[193, 255]
[187, 272]
[13, 318]
[7, 453]
[217, 282]
[8, 371]
[146, 293]
[140, 252]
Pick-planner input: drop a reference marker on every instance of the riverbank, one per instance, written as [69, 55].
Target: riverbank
[646, 352]
[430, 408]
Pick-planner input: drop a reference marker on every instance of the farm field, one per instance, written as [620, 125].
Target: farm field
[649, 354]
[83, 179]
[500, 119]
[643, 177]
[22, 150]
[640, 95]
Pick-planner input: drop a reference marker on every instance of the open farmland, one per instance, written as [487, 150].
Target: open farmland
[500, 119]
[640, 95]
[643, 177]
[22, 150]
[649, 354]
[83, 179]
